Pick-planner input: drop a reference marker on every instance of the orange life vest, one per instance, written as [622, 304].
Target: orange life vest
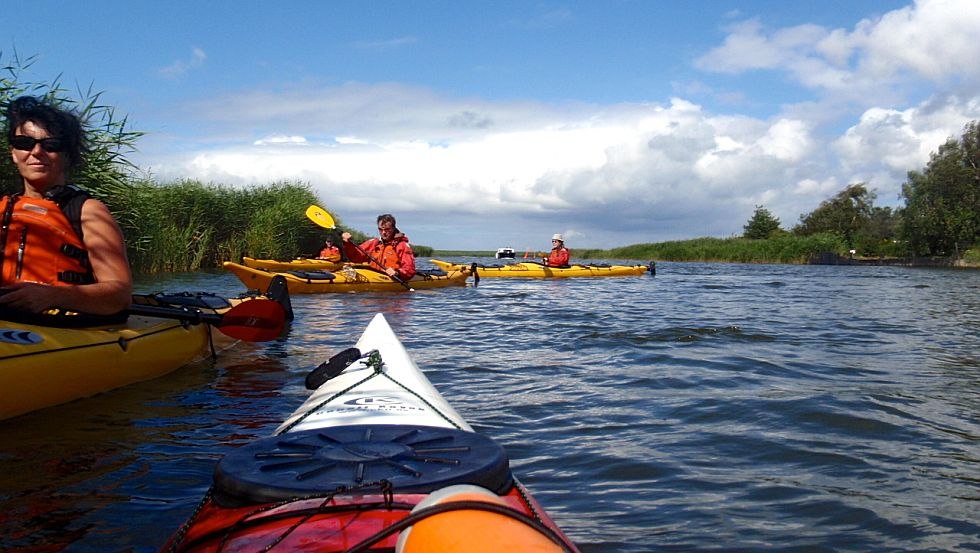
[396, 254]
[40, 243]
[331, 253]
[386, 254]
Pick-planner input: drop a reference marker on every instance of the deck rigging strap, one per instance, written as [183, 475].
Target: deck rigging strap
[374, 361]
[247, 520]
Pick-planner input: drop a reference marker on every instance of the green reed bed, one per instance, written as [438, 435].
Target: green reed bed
[781, 249]
[187, 225]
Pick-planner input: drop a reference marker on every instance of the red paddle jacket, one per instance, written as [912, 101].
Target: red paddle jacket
[330, 253]
[558, 257]
[396, 254]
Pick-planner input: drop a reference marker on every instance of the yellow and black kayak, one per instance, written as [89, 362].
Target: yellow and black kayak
[298, 264]
[531, 269]
[50, 359]
[350, 278]
[41, 366]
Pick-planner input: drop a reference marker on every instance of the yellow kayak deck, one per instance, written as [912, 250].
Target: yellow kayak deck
[299, 264]
[350, 278]
[42, 366]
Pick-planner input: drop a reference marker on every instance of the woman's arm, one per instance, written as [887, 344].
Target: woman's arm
[113, 288]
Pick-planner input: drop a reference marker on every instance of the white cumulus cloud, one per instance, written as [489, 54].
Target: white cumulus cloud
[883, 95]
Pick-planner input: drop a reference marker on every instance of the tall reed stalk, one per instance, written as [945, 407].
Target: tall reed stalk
[187, 225]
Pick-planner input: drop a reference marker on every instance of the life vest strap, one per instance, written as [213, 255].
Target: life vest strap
[73, 277]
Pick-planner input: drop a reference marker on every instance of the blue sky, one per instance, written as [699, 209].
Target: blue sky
[488, 124]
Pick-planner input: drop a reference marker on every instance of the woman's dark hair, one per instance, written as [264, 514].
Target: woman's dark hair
[58, 122]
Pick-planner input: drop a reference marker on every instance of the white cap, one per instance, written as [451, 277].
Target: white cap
[558, 237]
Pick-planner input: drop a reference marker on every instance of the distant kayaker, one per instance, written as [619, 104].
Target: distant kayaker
[330, 252]
[390, 253]
[59, 247]
[559, 255]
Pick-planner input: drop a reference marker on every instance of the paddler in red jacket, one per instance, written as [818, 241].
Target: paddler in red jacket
[330, 251]
[559, 255]
[390, 253]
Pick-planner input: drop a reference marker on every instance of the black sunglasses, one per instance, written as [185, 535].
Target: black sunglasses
[26, 143]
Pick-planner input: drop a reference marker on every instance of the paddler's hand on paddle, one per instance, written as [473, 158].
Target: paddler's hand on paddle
[392, 272]
[345, 237]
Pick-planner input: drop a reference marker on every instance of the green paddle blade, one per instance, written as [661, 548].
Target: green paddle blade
[320, 216]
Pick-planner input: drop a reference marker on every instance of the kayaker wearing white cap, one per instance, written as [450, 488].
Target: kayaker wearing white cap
[559, 253]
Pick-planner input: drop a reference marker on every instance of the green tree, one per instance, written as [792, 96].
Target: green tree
[878, 234]
[762, 224]
[942, 202]
[846, 214]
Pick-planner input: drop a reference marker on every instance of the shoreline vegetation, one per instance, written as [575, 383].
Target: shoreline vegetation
[824, 249]
[187, 225]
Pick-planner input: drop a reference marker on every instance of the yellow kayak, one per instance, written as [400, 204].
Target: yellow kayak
[47, 360]
[300, 264]
[41, 366]
[530, 269]
[350, 278]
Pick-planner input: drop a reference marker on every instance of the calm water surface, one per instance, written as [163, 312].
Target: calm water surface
[711, 407]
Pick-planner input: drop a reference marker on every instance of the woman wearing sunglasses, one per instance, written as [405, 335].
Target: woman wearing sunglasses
[59, 248]
[559, 254]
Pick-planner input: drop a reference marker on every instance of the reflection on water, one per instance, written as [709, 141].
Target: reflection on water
[712, 406]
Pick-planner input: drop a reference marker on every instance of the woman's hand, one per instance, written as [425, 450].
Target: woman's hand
[29, 297]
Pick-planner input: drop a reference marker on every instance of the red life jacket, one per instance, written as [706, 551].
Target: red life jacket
[386, 254]
[40, 239]
[331, 253]
[396, 254]
[559, 257]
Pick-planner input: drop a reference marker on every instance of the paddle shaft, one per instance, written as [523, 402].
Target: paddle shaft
[179, 313]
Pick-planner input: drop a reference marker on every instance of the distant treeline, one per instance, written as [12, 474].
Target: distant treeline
[940, 219]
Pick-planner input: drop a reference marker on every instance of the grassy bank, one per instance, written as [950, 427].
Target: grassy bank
[782, 249]
[187, 225]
